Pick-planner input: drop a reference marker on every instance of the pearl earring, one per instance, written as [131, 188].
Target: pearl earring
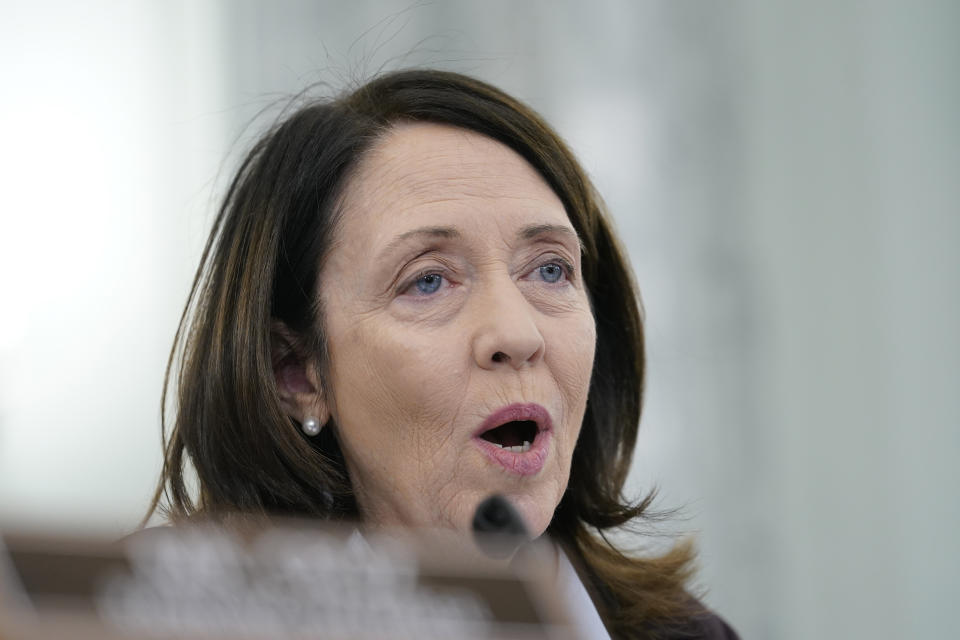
[311, 426]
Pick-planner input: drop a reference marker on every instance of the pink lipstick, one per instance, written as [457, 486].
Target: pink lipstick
[516, 437]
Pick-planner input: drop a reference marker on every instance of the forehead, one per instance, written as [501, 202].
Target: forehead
[421, 171]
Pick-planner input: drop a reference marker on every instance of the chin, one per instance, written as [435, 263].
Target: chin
[536, 513]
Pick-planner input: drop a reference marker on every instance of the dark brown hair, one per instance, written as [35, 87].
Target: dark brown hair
[260, 266]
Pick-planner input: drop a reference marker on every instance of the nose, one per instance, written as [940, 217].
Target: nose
[506, 334]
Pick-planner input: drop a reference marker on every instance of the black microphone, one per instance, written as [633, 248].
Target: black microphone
[497, 527]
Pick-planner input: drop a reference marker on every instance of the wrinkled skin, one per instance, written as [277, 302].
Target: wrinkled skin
[452, 289]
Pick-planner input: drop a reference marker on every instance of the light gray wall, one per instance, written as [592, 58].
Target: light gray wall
[112, 131]
[852, 152]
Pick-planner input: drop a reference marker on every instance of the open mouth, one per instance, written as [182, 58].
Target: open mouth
[515, 436]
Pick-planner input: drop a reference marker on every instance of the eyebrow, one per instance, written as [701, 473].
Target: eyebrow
[425, 232]
[534, 230]
[527, 233]
[433, 232]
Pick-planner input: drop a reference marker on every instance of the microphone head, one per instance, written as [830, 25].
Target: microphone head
[497, 527]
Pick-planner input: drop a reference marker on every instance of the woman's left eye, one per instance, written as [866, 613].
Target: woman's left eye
[428, 283]
[551, 272]
[554, 271]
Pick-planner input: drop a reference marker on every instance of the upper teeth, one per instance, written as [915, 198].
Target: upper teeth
[520, 448]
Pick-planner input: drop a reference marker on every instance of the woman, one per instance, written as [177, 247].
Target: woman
[412, 300]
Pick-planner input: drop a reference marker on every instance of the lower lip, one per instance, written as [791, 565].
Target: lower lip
[523, 464]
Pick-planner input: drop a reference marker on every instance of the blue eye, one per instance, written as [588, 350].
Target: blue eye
[428, 283]
[551, 272]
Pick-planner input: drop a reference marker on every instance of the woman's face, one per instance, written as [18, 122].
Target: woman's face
[453, 304]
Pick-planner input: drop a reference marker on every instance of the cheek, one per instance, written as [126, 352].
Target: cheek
[393, 393]
[572, 363]
[398, 396]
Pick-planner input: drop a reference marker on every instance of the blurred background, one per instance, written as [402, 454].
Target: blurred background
[786, 176]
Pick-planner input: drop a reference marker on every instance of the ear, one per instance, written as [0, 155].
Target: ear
[298, 383]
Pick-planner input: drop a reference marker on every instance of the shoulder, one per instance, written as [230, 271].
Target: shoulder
[689, 620]
[703, 626]
[714, 626]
